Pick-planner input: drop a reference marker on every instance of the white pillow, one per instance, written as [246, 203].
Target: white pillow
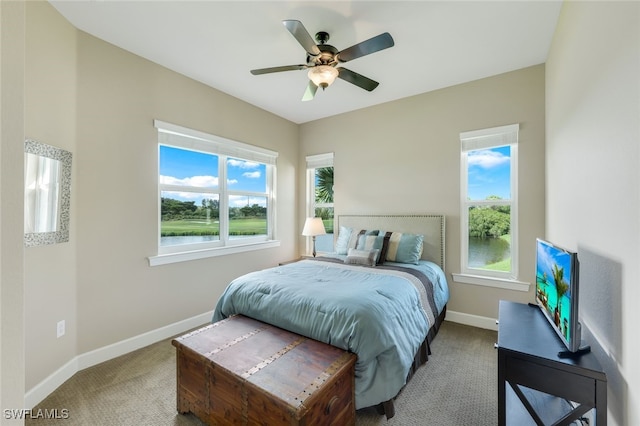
[342, 243]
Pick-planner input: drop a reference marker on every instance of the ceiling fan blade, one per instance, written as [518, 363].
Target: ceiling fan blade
[357, 79]
[278, 69]
[374, 44]
[310, 91]
[302, 35]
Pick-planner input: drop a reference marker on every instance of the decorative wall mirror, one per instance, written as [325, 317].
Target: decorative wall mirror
[47, 194]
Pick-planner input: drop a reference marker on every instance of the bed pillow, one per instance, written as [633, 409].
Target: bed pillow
[362, 257]
[355, 236]
[403, 248]
[342, 243]
[372, 242]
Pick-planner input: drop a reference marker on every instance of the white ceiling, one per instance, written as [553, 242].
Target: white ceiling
[437, 44]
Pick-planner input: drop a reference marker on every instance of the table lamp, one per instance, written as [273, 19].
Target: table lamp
[313, 226]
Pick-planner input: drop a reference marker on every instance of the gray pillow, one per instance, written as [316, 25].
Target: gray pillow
[362, 257]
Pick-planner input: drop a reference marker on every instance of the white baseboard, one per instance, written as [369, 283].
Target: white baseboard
[43, 389]
[40, 391]
[473, 320]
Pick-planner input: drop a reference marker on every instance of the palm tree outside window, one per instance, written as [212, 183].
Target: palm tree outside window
[320, 197]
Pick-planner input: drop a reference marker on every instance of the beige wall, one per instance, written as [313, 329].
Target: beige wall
[593, 183]
[12, 84]
[404, 157]
[99, 102]
[50, 271]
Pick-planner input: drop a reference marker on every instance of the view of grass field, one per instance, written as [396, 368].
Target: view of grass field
[243, 226]
[187, 227]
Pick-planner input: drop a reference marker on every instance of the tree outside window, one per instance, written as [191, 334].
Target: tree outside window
[320, 203]
[489, 226]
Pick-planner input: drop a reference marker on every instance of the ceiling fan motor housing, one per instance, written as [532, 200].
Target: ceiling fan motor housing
[327, 56]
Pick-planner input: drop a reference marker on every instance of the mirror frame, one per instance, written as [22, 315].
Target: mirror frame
[61, 234]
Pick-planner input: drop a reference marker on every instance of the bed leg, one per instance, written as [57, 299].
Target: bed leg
[387, 408]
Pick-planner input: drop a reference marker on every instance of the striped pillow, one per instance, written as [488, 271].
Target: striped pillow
[372, 242]
[355, 237]
[403, 248]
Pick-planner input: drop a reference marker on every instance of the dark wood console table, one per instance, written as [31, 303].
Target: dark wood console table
[540, 383]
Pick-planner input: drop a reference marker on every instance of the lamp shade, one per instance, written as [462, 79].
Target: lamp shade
[322, 75]
[313, 226]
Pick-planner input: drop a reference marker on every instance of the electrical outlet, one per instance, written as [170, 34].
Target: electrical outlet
[60, 329]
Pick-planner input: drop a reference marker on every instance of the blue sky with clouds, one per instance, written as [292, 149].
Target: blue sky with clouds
[196, 169]
[489, 173]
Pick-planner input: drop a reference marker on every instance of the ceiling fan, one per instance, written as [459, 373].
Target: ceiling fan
[322, 59]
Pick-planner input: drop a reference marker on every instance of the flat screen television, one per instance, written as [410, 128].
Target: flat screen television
[557, 286]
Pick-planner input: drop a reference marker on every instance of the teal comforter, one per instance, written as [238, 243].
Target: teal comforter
[382, 314]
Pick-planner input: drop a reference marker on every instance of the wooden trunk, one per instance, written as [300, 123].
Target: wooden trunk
[240, 371]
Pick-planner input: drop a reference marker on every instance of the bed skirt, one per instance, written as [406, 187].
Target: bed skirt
[387, 408]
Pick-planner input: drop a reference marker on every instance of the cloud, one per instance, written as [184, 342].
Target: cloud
[545, 259]
[487, 159]
[243, 164]
[252, 175]
[197, 181]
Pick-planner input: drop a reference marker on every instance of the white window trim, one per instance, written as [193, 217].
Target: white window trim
[474, 140]
[165, 259]
[206, 142]
[175, 135]
[320, 160]
[315, 162]
[491, 282]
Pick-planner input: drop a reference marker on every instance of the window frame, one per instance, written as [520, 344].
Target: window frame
[487, 139]
[313, 162]
[188, 139]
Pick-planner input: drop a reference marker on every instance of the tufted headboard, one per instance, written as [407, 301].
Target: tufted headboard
[431, 226]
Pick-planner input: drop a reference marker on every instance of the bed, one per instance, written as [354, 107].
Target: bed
[382, 295]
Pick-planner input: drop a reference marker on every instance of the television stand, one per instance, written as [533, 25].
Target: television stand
[581, 351]
[543, 386]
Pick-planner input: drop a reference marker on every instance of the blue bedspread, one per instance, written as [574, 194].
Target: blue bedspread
[377, 313]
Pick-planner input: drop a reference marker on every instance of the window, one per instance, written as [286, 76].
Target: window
[489, 202]
[320, 198]
[214, 193]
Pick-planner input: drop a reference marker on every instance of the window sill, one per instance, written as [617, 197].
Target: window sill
[185, 256]
[491, 282]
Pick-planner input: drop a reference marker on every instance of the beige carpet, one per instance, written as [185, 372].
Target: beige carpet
[457, 386]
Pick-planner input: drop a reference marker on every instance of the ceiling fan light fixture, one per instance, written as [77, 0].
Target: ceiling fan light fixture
[323, 75]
